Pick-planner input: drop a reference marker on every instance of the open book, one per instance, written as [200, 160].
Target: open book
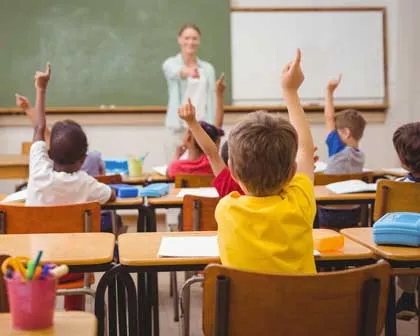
[204, 192]
[192, 247]
[19, 196]
[351, 186]
[161, 170]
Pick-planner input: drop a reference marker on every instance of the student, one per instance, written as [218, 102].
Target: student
[345, 129]
[54, 174]
[269, 229]
[406, 141]
[93, 164]
[197, 162]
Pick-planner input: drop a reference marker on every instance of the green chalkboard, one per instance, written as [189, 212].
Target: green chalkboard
[104, 52]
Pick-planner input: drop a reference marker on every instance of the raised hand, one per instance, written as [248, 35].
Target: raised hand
[334, 83]
[292, 76]
[42, 78]
[22, 102]
[187, 112]
[220, 84]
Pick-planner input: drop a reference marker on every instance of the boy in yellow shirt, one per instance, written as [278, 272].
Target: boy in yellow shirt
[269, 229]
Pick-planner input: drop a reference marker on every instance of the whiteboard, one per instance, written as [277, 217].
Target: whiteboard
[333, 42]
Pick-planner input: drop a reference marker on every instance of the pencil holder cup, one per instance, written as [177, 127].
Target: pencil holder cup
[135, 167]
[31, 303]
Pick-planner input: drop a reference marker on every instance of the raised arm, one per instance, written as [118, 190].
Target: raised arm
[329, 110]
[24, 103]
[172, 70]
[209, 148]
[291, 79]
[220, 90]
[41, 83]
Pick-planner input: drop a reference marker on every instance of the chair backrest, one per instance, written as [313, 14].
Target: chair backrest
[72, 218]
[109, 179]
[198, 213]
[394, 196]
[346, 303]
[193, 181]
[25, 147]
[323, 179]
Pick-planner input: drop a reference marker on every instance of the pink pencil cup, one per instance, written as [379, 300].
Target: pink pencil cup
[31, 303]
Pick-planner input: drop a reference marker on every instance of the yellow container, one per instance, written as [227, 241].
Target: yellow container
[135, 167]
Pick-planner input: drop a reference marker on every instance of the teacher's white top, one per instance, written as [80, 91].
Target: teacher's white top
[200, 90]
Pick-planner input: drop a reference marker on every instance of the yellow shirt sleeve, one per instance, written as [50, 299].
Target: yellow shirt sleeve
[302, 189]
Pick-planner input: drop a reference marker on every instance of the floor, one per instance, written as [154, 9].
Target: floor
[169, 328]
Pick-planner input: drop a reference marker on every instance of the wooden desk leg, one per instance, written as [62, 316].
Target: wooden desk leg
[391, 323]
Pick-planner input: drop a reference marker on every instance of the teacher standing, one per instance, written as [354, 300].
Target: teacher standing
[187, 76]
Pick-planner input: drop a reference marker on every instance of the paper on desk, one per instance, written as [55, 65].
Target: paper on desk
[192, 246]
[161, 170]
[189, 246]
[351, 186]
[18, 196]
[320, 166]
[204, 192]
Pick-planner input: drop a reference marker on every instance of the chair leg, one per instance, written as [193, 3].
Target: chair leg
[174, 289]
[185, 304]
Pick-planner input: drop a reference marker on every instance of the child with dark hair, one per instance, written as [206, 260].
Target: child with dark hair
[406, 141]
[54, 174]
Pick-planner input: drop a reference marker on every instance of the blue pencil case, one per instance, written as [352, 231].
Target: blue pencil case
[398, 228]
[155, 190]
[125, 190]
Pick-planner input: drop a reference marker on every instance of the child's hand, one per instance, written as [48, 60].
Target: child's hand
[42, 78]
[292, 76]
[179, 151]
[334, 83]
[316, 157]
[220, 85]
[187, 112]
[22, 102]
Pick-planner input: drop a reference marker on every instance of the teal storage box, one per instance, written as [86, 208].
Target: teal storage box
[398, 228]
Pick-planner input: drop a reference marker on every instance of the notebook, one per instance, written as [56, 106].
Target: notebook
[204, 192]
[192, 247]
[19, 196]
[351, 186]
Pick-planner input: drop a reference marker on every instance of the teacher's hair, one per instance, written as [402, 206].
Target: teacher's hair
[189, 25]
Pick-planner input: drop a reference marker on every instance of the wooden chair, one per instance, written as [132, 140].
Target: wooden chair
[25, 147]
[324, 179]
[345, 303]
[193, 181]
[73, 218]
[198, 215]
[109, 179]
[394, 196]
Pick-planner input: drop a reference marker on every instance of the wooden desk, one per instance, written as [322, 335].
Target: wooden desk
[141, 250]
[147, 178]
[138, 252]
[81, 249]
[65, 324]
[404, 261]
[396, 172]
[14, 166]
[322, 195]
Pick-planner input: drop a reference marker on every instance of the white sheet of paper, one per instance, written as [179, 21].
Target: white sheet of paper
[351, 186]
[18, 196]
[193, 247]
[320, 166]
[204, 192]
[161, 170]
[189, 246]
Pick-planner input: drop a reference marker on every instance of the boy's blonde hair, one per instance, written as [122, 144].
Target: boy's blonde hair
[262, 152]
[353, 120]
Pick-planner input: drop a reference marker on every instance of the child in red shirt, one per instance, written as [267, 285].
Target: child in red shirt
[197, 162]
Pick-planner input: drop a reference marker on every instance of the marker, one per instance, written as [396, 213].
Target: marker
[9, 273]
[59, 271]
[31, 267]
[46, 270]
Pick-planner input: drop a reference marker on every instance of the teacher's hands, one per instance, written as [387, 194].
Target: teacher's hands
[190, 72]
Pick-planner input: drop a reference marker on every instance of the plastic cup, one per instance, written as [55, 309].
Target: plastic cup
[31, 303]
[135, 167]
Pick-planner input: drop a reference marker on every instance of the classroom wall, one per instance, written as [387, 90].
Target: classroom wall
[404, 51]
